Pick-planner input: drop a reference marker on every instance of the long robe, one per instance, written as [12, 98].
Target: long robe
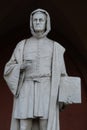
[12, 77]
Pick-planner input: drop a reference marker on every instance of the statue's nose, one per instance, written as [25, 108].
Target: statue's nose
[38, 21]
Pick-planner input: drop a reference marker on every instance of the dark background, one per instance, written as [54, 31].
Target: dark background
[69, 28]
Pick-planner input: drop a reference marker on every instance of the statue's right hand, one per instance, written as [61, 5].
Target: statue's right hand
[25, 65]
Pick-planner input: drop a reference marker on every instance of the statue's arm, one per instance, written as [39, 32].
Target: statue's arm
[10, 64]
[62, 105]
[12, 71]
[63, 72]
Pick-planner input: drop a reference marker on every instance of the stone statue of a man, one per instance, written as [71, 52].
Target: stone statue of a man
[33, 75]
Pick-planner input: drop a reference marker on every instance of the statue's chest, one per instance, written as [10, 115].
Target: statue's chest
[38, 50]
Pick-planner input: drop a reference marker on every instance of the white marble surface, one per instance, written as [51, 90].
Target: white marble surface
[70, 90]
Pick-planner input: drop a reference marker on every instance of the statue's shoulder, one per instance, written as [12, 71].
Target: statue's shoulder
[50, 41]
[20, 44]
[59, 46]
[23, 42]
[56, 45]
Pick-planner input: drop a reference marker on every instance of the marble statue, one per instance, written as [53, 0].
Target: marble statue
[33, 75]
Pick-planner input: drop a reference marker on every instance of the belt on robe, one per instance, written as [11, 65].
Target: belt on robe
[37, 78]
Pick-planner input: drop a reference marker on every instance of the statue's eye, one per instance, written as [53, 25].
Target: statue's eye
[41, 20]
[35, 20]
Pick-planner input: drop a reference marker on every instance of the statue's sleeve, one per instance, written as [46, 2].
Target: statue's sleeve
[12, 71]
[63, 72]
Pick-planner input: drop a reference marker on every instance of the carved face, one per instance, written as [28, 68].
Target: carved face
[39, 22]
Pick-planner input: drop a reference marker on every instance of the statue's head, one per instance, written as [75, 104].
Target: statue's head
[40, 23]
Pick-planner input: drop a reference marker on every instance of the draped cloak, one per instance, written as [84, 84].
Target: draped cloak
[12, 76]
